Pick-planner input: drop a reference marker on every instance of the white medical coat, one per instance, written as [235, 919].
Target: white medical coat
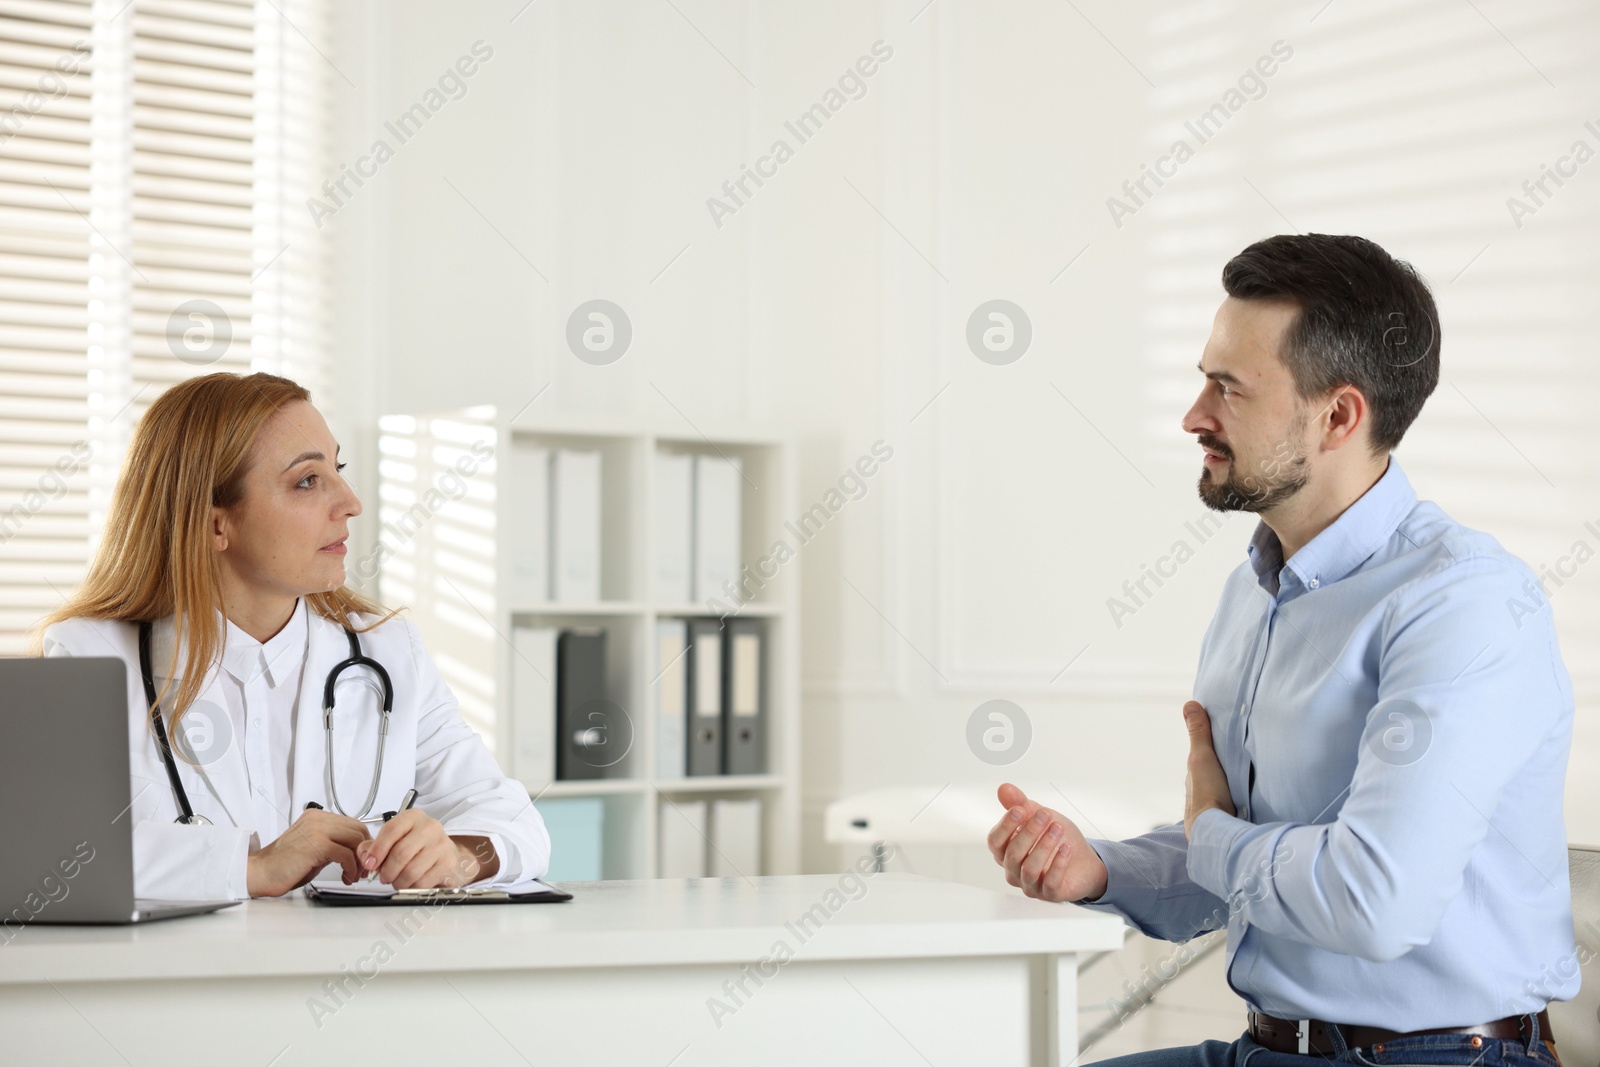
[429, 747]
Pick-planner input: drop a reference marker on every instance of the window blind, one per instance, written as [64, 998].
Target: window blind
[45, 73]
[155, 158]
[1329, 144]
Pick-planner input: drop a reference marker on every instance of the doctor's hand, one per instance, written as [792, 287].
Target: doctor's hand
[1043, 851]
[316, 839]
[412, 851]
[1206, 785]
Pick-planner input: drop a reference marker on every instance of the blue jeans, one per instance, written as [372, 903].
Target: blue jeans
[1428, 1050]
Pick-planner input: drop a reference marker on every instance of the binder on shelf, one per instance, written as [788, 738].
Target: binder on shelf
[682, 837]
[527, 519]
[587, 732]
[744, 698]
[674, 528]
[716, 526]
[735, 837]
[533, 705]
[671, 695]
[575, 526]
[705, 697]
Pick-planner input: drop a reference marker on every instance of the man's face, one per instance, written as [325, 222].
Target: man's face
[1248, 417]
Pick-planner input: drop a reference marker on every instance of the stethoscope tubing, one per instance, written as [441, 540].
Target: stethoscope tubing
[187, 814]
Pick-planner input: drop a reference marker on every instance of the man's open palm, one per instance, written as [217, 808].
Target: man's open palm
[1043, 852]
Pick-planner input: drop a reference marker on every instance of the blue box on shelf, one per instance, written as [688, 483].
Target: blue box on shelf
[577, 835]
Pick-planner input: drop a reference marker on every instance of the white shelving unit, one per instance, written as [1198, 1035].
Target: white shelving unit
[442, 484]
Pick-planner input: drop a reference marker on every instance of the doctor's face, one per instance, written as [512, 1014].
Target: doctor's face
[1249, 419]
[286, 537]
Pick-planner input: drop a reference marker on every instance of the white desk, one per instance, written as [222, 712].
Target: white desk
[912, 968]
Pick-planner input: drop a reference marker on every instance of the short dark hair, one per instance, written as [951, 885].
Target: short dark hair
[1366, 319]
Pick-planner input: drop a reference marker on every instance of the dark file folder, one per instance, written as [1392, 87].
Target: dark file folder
[586, 733]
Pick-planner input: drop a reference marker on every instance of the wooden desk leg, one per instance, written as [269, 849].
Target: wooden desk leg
[1055, 1017]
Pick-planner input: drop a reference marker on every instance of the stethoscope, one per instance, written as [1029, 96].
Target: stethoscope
[356, 659]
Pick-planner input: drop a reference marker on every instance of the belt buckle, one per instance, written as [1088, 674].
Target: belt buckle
[1303, 1035]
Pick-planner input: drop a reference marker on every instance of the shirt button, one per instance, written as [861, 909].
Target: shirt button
[1313, 583]
[255, 722]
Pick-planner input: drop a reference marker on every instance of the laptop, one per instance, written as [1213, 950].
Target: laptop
[66, 813]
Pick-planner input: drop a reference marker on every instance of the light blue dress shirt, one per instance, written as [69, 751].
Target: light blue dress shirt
[1394, 718]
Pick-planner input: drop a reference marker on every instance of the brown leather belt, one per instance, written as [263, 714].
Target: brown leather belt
[1310, 1036]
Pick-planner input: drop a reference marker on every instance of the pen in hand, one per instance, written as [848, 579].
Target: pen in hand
[405, 805]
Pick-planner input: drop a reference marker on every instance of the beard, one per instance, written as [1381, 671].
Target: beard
[1275, 479]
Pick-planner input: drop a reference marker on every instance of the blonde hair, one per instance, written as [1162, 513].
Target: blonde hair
[190, 453]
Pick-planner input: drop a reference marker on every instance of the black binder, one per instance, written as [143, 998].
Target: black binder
[584, 726]
[744, 697]
[705, 697]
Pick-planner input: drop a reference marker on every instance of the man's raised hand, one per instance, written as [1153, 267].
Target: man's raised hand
[1043, 852]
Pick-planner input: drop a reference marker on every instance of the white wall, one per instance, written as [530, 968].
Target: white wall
[977, 166]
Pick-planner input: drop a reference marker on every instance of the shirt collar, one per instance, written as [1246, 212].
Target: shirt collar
[1346, 542]
[247, 659]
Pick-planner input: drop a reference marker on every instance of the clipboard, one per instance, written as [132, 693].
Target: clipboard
[345, 897]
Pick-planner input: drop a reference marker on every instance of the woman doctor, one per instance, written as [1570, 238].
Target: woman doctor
[227, 532]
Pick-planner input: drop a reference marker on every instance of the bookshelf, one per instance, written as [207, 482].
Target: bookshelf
[445, 489]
